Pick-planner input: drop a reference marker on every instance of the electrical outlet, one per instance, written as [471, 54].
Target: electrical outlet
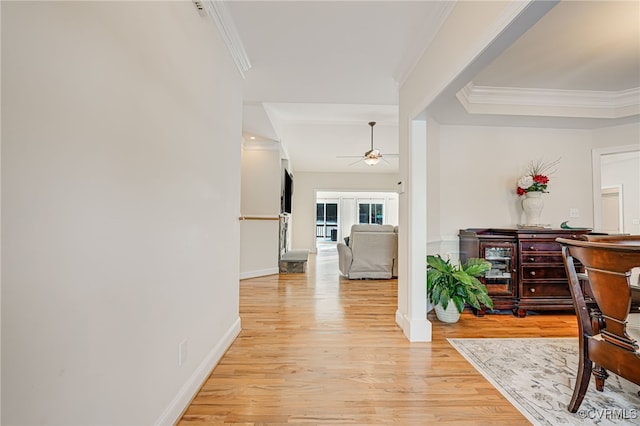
[635, 221]
[574, 213]
[182, 352]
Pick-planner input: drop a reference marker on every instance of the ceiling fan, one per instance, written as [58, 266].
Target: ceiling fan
[372, 156]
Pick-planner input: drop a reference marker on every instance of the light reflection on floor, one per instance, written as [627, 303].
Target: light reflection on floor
[324, 264]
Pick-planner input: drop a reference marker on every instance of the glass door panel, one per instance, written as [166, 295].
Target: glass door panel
[500, 278]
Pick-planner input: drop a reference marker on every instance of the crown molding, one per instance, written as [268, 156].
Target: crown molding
[223, 20]
[549, 102]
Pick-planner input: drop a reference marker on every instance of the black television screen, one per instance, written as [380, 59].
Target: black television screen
[287, 193]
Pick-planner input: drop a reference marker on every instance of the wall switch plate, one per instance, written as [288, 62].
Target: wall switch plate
[574, 213]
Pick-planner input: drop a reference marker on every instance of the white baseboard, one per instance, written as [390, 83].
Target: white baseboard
[258, 273]
[417, 330]
[181, 401]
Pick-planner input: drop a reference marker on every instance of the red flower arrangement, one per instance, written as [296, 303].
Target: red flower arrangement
[536, 178]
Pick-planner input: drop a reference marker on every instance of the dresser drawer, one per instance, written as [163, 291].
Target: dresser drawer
[535, 246]
[543, 272]
[541, 258]
[552, 236]
[533, 289]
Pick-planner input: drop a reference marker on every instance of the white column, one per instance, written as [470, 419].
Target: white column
[411, 315]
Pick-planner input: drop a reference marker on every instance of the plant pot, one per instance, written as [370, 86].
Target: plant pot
[449, 315]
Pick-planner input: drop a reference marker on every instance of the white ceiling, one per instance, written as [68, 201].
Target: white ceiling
[321, 70]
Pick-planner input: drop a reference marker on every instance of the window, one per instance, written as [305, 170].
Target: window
[319, 213]
[326, 220]
[363, 213]
[331, 214]
[370, 213]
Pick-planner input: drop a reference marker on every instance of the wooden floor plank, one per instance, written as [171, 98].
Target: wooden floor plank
[316, 348]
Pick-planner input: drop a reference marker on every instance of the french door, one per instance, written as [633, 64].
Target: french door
[327, 221]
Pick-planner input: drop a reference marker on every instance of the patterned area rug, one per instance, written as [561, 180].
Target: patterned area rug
[537, 376]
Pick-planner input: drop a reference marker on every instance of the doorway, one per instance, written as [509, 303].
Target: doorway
[326, 220]
[616, 188]
[337, 211]
[612, 210]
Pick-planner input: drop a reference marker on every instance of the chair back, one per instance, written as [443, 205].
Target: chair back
[607, 318]
[608, 267]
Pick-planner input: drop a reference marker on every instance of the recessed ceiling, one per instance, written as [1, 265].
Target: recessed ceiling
[322, 69]
[591, 45]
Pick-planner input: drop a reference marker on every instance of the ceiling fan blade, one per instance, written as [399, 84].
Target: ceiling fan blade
[348, 156]
[355, 162]
[383, 159]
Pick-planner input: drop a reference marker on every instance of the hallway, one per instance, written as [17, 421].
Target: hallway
[316, 348]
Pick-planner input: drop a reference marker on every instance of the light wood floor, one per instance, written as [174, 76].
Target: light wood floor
[316, 348]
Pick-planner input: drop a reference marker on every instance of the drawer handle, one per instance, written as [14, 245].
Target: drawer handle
[533, 273]
[532, 290]
[532, 259]
[532, 248]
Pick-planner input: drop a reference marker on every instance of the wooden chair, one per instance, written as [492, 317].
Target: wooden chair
[606, 341]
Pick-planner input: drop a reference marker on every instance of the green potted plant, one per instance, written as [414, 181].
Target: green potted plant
[449, 286]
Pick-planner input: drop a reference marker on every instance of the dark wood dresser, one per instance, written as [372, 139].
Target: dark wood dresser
[528, 271]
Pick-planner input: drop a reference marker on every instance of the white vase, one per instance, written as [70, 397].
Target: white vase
[532, 206]
[449, 315]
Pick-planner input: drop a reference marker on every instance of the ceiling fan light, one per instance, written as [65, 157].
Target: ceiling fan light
[372, 161]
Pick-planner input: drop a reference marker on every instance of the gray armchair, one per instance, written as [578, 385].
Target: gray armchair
[371, 253]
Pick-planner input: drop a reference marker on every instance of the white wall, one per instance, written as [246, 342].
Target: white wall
[481, 165]
[261, 190]
[120, 195]
[617, 136]
[304, 198]
[479, 168]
